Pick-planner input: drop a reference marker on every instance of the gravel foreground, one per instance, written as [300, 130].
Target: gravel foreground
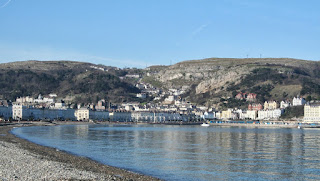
[23, 160]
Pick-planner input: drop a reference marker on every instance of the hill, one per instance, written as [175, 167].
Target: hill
[209, 80]
[73, 81]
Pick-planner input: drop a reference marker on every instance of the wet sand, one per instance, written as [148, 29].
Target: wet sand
[24, 160]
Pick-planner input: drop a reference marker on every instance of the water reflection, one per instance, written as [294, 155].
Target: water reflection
[191, 152]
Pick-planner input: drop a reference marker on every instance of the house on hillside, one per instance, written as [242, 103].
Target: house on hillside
[270, 105]
[247, 96]
[297, 101]
[251, 97]
[101, 105]
[256, 107]
[285, 104]
[241, 96]
[141, 95]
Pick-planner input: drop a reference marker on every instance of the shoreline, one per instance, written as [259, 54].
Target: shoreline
[80, 168]
[74, 167]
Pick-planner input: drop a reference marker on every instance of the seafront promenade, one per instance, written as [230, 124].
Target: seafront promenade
[23, 160]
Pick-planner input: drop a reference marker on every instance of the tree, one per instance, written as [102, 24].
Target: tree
[309, 98]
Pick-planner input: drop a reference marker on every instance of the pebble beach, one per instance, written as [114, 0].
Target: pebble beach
[23, 160]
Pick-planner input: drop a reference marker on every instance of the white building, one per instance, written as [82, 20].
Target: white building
[218, 115]
[178, 92]
[169, 100]
[156, 117]
[142, 95]
[141, 86]
[277, 113]
[41, 99]
[208, 115]
[270, 105]
[249, 114]
[297, 101]
[312, 113]
[52, 95]
[142, 116]
[20, 112]
[133, 76]
[82, 114]
[60, 105]
[229, 114]
[85, 114]
[284, 104]
[26, 99]
[270, 114]
[128, 107]
[120, 116]
[101, 105]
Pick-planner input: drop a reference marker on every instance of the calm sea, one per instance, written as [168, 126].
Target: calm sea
[191, 152]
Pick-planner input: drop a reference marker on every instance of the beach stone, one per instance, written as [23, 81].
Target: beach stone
[23, 165]
[23, 160]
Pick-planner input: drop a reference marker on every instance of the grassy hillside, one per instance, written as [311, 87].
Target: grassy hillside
[213, 81]
[76, 80]
[270, 78]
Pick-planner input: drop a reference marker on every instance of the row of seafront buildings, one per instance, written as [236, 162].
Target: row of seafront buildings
[47, 108]
[250, 114]
[84, 114]
[270, 110]
[20, 110]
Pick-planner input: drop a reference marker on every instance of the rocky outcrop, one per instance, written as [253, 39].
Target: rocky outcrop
[221, 79]
[214, 75]
[207, 74]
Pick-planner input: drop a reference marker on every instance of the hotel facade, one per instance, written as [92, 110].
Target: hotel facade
[312, 113]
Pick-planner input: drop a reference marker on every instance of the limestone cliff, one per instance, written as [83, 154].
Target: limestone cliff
[219, 77]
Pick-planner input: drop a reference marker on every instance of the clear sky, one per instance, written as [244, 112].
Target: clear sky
[139, 33]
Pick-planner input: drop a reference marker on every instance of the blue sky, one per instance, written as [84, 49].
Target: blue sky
[141, 33]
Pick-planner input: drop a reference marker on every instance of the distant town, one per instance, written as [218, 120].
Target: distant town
[208, 90]
[172, 108]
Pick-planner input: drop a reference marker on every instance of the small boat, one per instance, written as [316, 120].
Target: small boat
[205, 124]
